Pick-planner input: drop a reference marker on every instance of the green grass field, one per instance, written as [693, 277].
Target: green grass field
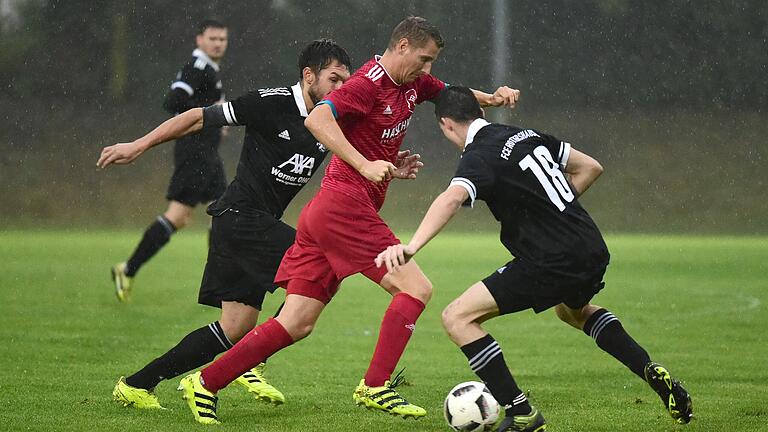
[697, 304]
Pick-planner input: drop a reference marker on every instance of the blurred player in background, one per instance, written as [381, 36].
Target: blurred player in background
[530, 182]
[248, 239]
[340, 232]
[198, 175]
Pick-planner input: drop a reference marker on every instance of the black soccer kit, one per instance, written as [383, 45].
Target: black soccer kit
[279, 156]
[198, 175]
[560, 255]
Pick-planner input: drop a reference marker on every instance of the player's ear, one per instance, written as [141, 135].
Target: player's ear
[402, 45]
[308, 75]
[199, 40]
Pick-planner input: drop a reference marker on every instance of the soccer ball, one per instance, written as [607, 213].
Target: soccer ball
[471, 407]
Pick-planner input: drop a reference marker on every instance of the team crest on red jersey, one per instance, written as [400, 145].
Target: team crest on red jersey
[410, 97]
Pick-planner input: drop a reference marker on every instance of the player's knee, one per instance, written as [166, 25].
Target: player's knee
[423, 291]
[454, 319]
[300, 329]
[235, 330]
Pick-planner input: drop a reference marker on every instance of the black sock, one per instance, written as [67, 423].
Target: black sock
[487, 361]
[155, 237]
[196, 349]
[610, 336]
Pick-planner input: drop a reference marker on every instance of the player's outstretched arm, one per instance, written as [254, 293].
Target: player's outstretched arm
[503, 97]
[123, 153]
[324, 127]
[582, 170]
[440, 212]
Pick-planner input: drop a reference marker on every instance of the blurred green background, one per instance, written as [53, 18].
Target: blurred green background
[670, 96]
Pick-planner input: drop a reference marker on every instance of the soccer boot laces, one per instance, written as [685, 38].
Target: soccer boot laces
[675, 398]
[122, 282]
[255, 383]
[135, 397]
[387, 399]
[531, 422]
[201, 402]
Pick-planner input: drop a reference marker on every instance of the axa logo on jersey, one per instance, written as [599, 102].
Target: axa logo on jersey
[300, 163]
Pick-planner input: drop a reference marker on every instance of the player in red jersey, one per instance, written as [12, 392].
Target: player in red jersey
[340, 232]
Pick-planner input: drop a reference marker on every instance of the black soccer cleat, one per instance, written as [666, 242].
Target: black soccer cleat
[531, 422]
[676, 399]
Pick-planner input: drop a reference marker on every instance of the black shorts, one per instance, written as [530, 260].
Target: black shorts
[243, 257]
[198, 173]
[520, 285]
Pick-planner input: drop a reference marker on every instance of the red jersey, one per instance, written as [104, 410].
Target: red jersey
[374, 113]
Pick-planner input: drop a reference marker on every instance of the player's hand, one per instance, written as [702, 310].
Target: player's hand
[378, 170]
[407, 165]
[119, 154]
[394, 257]
[505, 97]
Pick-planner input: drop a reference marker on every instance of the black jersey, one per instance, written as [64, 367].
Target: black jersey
[197, 84]
[279, 154]
[519, 173]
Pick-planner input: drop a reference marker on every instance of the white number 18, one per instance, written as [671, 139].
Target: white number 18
[555, 185]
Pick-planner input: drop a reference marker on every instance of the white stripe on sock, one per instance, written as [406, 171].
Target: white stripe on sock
[216, 333]
[601, 323]
[490, 356]
[477, 357]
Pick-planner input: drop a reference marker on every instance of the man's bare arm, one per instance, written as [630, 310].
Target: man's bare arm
[439, 214]
[324, 127]
[582, 171]
[123, 153]
[503, 96]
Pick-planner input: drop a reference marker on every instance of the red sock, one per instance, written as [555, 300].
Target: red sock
[396, 329]
[254, 348]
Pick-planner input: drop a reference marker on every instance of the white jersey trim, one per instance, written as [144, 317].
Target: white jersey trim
[184, 86]
[298, 96]
[206, 60]
[474, 127]
[468, 185]
[564, 154]
[229, 113]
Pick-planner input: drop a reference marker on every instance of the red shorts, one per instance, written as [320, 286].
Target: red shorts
[336, 236]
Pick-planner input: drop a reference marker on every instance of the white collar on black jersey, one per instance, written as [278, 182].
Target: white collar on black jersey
[201, 55]
[473, 128]
[299, 97]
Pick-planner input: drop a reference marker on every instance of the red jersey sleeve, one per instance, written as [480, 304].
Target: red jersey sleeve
[356, 97]
[428, 87]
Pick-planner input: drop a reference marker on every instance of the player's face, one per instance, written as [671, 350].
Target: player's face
[417, 61]
[328, 79]
[213, 42]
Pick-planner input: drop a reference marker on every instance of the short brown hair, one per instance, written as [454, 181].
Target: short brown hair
[418, 31]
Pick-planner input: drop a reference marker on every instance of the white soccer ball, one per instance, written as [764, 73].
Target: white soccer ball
[470, 406]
